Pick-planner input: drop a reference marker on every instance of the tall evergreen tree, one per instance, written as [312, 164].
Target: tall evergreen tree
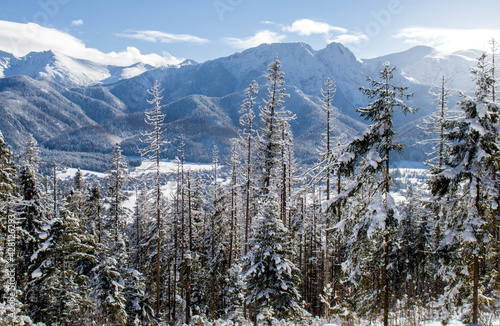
[468, 170]
[415, 267]
[94, 211]
[33, 222]
[109, 281]
[156, 141]
[109, 274]
[10, 295]
[271, 278]
[116, 178]
[199, 233]
[494, 49]
[270, 141]
[374, 215]
[57, 290]
[217, 244]
[8, 199]
[246, 141]
[435, 127]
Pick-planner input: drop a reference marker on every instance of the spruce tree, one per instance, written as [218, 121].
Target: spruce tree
[466, 181]
[155, 143]
[116, 178]
[33, 224]
[57, 291]
[373, 216]
[118, 287]
[271, 278]
[246, 141]
[217, 244]
[416, 269]
[197, 202]
[8, 199]
[271, 140]
[10, 305]
[435, 128]
[109, 281]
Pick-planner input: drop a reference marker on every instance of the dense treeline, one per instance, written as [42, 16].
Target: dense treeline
[260, 238]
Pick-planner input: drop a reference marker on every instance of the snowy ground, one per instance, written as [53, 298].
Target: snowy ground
[147, 167]
[69, 173]
[406, 175]
[166, 168]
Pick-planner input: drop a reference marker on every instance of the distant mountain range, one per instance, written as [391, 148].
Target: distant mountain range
[76, 105]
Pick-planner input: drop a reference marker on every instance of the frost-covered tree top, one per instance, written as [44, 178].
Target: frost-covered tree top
[387, 98]
[274, 119]
[7, 170]
[372, 146]
[246, 111]
[154, 117]
[475, 133]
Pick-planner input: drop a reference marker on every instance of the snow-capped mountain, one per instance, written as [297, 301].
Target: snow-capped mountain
[425, 65]
[5, 59]
[95, 106]
[66, 70]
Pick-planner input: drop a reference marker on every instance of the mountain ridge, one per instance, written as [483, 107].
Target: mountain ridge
[67, 70]
[114, 110]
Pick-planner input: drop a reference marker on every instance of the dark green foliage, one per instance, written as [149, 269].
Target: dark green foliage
[272, 279]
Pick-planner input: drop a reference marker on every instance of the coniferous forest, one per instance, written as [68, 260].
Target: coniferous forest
[260, 238]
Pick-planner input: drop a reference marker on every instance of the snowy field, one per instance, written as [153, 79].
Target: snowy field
[167, 168]
[405, 173]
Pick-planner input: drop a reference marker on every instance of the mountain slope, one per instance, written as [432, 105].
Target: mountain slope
[425, 65]
[66, 70]
[29, 106]
[76, 110]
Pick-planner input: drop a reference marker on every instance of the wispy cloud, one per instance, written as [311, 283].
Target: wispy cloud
[20, 39]
[448, 39]
[351, 38]
[264, 36]
[306, 27]
[301, 27]
[162, 37]
[78, 22]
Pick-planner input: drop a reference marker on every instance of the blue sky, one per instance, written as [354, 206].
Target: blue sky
[162, 31]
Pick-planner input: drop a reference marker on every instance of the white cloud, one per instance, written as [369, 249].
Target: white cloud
[260, 37]
[448, 40]
[77, 22]
[353, 38]
[157, 36]
[20, 39]
[306, 27]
